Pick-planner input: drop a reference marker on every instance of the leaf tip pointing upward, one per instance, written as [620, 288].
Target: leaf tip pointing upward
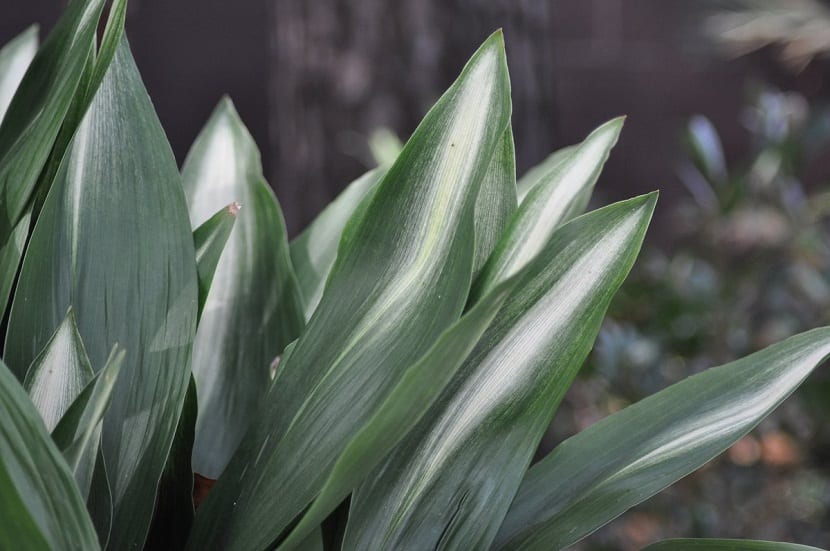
[234, 208]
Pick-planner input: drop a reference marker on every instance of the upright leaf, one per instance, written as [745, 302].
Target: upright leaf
[59, 373]
[540, 172]
[114, 243]
[313, 252]
[55, 98]
[78, 434]
[593, 477]
[37, 109]
[450, 482]
[210, 239]
[725, 545]
[40, 504]
[496, 201]
[253, 309]
[15, 58]
[419, 387]
[400, 278]
[562, 194]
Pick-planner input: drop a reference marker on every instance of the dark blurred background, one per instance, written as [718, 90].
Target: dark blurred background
[727, 116]
[313, 79]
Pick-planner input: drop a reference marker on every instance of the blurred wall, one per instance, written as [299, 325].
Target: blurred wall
[312, 79]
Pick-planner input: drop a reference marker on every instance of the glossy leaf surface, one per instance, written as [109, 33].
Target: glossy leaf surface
[134, 284]
[400, 279]
[593, 477]
[40, 504]
[559, 196]
[253, 309]
[450, 482]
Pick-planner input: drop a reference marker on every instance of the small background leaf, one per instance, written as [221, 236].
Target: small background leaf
[725, 545]
[15, 58]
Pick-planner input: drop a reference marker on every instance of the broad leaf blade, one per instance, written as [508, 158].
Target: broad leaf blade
[450, 482]
[37, 109]
[400, 279]
[418, 388]
[40, 504]
[313, 252]
[593, 477]
[562, 194]
[59, 373]
[15, 58]
[133, 284]
[496, 201]
[253, 309]
[78, 434]
[210, 239]
[705, 544]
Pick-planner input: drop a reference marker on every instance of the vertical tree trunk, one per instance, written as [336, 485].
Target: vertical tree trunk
[341, 68]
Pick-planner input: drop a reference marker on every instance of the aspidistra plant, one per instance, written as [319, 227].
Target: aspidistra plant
[380, 382]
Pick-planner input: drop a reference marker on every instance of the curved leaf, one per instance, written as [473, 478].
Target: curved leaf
[313, 252]
[725, 545]
[540, 172]
[133, 284]
[593, 477]
[210, 239]
[59, 373]
[562, 194]
[15, 58]
[401, 275]
[40, 504]
[418, 388]
[37, 109]
[253, 309]
[450, 482]
[78, 434]
[496, 201]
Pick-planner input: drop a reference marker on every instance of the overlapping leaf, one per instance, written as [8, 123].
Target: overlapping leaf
[113, 242]
[596, 475]
[400, 279]
[78, 434]
[59, 373]
[253, 309]
[449, 484]
[418, 388]
[561, 194]
[40, 504]
[313, 252]
[210, 239]
[540, 172]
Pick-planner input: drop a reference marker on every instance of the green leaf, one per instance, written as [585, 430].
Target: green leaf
[450, 482]
[210, 239]
[418, 388]
[15, 58]
[496, 201]
[400, 279]
[39, 155]
[385, 146]
[174, 507]
[253, 309]
[313, 252]
[562, 194]
[59, 373]
[40, 504]
[37, 110]
[78, 434]
[593, 477]
[114, 243]
[725, 545]
[540, 172]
